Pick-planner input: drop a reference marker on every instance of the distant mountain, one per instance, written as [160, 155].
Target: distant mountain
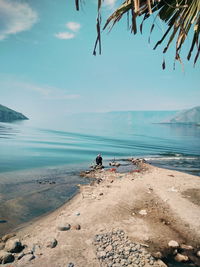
[190, 116]
[9, 115]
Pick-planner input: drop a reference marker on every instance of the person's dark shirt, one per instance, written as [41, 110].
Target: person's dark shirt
[99, 160]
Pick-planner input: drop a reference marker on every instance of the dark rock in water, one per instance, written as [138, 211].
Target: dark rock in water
[13, 246]
[9, 115]
[6, 257]
[115, 164]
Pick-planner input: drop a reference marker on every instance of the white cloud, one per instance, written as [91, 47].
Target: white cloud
[45, 91]
[65, 35]
[58, 95]
[15, 17]
[110, 3]
[73, 26]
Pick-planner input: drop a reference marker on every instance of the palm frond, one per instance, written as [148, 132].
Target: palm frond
[180, 17]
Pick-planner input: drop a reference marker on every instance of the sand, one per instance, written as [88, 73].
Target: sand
[152, 207]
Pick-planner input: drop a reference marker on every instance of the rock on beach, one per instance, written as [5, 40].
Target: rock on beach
[51, 243]
[65, 227]
[173, 244]
[13, 246]
[6, 257]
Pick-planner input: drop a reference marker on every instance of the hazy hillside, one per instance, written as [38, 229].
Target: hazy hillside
[9, 115]
[190, 116]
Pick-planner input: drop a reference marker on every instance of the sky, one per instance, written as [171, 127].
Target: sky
[47, 68]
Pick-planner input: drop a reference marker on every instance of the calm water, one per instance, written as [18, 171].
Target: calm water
[40, 162]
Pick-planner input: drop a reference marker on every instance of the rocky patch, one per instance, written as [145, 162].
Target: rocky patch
[114, 249]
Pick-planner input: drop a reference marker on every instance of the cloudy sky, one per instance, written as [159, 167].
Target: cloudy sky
[47, 66]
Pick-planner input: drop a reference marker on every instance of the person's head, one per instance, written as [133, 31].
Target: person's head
[99, 155]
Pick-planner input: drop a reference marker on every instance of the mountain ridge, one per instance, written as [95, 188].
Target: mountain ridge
[9, 115]
[189, 116]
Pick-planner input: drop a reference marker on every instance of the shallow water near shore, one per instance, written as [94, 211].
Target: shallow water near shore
[40, 164]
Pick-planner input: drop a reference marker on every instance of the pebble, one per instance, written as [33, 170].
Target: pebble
[51, 243]
[64, 227]
[186, 247]
[173, 244]
[115, 249]
[198, 253]
[70, 264]
[27, 258]
[13, 246]
[6, 257]
[143, 212]
[181, 258]
[77, 227]
[20, 255]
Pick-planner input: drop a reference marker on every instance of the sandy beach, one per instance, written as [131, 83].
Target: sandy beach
[120, 219]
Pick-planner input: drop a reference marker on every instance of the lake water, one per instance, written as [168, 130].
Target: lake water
[40, 161]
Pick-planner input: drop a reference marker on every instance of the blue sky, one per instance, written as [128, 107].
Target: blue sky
[47, 67]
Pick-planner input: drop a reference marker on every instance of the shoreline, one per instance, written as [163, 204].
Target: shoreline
[151, 206]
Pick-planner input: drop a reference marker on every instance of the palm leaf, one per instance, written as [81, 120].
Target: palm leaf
[180, 17]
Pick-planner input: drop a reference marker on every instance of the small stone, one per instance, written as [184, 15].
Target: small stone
[186, 247]
[108, 248]
[137, 246]
[6, 257]
[181, 258]
[143, 212]
[27, 258]
[70, 264]
[13, 246]
[101, 194]
[27, 250]
[173, 244]
[64, 227]
[77, 227]
[101, 254]
[8, 236]
[51, 243]
[198, 253]
[20, 255]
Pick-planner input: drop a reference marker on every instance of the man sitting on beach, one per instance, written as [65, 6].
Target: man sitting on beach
[99, 160]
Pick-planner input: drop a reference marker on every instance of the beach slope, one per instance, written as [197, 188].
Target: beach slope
[137, 213]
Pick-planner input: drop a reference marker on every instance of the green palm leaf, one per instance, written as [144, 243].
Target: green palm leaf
[180, 17]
